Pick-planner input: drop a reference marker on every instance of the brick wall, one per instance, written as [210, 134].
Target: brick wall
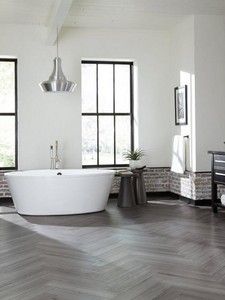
[182, 184]
[4, 190]
[196, 186]
[156, 180]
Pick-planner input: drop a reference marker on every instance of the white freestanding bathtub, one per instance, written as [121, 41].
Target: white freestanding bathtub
[43, 192]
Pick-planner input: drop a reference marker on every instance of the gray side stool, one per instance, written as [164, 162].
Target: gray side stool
[126, 196]
[139, 186]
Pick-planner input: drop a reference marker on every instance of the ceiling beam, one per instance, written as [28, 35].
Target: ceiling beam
[59, 15]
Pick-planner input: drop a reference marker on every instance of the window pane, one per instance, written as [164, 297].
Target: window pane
[7, 86]
[122, 88]
[123, 133]
[105, 88]
[89, 140]
[88, 88]
[106, 140]
[7, 141]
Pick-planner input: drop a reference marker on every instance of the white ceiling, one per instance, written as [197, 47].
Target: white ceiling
[138, 13]
[25, 11]
[109, 13]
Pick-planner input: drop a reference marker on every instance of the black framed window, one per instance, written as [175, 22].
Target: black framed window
[107, 112]
[8, 114]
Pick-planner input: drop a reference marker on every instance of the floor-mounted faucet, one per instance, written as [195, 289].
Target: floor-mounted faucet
[54, 159]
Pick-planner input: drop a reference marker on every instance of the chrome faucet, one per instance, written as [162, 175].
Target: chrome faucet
[54, 159]
[57, 160]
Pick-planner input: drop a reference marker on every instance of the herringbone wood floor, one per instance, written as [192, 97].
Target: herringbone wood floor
[164, 250]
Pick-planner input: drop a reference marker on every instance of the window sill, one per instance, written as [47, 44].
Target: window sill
[8, 170]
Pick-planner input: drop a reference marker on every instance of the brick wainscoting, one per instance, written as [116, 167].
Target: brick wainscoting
[195, 186]
[156, 180]
[4, 190]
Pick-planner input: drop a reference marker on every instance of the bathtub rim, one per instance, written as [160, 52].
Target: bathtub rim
[85, 173]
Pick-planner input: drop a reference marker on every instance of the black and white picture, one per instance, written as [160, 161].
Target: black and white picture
[180, 94]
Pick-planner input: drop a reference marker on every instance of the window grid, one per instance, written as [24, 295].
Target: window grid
[114, 114]
[13, 114]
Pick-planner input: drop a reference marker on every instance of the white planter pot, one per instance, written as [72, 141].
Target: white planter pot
[134, 164]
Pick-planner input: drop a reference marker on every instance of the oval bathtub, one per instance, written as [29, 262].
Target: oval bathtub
[43, 192]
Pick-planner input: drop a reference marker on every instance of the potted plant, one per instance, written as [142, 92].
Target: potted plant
[134, 157]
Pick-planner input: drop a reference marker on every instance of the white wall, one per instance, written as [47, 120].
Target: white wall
[44, 118]
[198, 60]
[210, 87]
[182, 73]
[193, 54]
[149, 50]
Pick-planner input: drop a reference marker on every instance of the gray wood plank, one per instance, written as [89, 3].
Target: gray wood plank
[162, 250]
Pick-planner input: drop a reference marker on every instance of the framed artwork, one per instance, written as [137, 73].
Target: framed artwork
[181, 114]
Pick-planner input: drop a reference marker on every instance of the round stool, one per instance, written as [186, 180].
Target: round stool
[126, 196]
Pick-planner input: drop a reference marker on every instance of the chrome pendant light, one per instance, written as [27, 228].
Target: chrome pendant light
[57, 81]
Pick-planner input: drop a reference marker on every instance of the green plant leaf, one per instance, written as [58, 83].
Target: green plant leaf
[136, 154]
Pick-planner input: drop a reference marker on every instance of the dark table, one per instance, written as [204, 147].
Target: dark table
[132, 188]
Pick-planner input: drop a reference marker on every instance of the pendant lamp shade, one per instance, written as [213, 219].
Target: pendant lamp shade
[57, 81]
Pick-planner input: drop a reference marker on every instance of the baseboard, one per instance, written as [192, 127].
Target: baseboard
[5, 200]
[113, 195]
[162, 194]
[170, 195]
[153, 194]
[202, 202]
